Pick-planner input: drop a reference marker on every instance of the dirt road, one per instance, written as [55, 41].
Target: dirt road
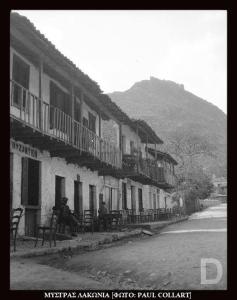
[169, 260]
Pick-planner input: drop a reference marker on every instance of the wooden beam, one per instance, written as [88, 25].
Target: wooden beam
[66, 153]
[40, 91]
[120, 137]
[100, 133]
[72, 110]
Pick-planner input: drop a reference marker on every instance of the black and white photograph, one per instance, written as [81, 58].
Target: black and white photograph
[118, 151]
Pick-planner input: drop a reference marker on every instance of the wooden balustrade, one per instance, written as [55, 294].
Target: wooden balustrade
[54, 122]
[147, 168]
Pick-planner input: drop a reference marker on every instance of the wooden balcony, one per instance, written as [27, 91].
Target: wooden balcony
[46, 127]
[147, 172]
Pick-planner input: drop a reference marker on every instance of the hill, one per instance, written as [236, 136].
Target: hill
[169, 108]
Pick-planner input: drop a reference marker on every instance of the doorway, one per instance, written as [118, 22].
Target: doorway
[133, 198]
[92, 198]
[30, 194]
[154, 201]
[124, 196]
[158, 198]
[78, 200]
[11, 180]
[140, 200]
[59, 190]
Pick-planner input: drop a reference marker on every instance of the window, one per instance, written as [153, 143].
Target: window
[61, 100]
[85, 122]
[20, 75]
[77, 111]
[123, 144]
[92, 120]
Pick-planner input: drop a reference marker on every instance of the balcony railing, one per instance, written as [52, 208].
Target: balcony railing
[147, 168]
[54, 122]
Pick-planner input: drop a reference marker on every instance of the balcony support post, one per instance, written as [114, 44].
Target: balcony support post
[120, 137]
[146, 146]
[100, 124]
[72, 112]
[41, 117]
[137, 145]
[81, 107]
[81, 120]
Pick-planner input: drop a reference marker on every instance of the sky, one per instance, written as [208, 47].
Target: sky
[117, 48]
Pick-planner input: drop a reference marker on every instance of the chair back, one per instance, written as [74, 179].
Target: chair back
[16, 214]
[54, 221]
[88, 216]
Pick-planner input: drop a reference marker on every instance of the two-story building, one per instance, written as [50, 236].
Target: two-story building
[147, 174]
[57, 146]
[69, 139]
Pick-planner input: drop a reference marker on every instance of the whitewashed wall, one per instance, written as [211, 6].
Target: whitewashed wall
[131, 136]
[49, 168]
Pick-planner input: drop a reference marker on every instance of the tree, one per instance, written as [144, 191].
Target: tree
[188, 149]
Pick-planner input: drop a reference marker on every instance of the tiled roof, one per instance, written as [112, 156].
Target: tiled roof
[24, 24]
[147, 131]
[162, 154]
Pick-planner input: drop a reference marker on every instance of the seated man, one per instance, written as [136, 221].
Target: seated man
[66, 217]
[103, 215]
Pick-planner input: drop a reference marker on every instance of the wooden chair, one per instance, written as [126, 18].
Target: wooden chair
[89, 219]
[80, 219]
[16, 214]
[142, 216]
[115, 219]
[129, 216]
[156, 214]
[150, 215]
[52, 229]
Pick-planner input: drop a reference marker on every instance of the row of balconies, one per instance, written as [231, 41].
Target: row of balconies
[54, 123]
[148, 169]
[51, 121]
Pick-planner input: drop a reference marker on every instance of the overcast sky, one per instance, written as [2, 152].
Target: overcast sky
[118, 48]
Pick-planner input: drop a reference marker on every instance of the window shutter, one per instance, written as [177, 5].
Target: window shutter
[21, 72]
[24, 181]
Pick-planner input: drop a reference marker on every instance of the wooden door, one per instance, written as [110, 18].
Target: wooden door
[124, 195]
[140, 200]
[31, 220]
[133, 198]
[92, 198]
[59, 189]
[30, 196]
[154, 201]
[11, 180]
[78, 201]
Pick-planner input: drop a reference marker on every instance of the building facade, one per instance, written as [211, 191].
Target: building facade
[68, 139]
